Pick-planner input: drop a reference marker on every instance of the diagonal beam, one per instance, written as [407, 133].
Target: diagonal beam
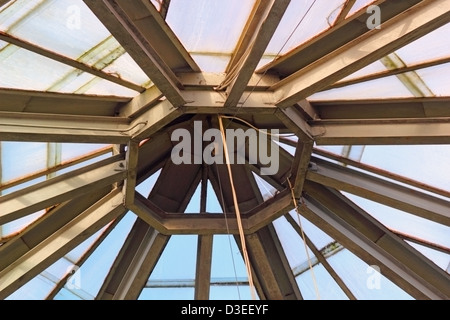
[143, 262]
[60, 243]
[333, 38]
[3, 2]
[68, 61]
[266, 17]
[46, 226]
[127, 35]
[62, 188]
[374, 243]
[388, 73]
[375, 44]
[271, 266]
[143, 15]
[379, 190]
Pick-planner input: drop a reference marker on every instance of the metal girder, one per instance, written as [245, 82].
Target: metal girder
[263, 24]
[213, 102]
[46, 226]
[122, 28]
[416, 108]
[62, 188]
[143, 261]
[379, 190]
[3, 2]
[141, 103]
[14, 100]
[375, 44]
[296, 122]
[154, 119]
[382, 131]
[374, 243]
[68, 61]
[131, 177]
[271, 266]
[320, 257]
[203, 267]
[152, 27]
[333, 38]
[60, 243]
[208, 81]
[20, 126]
[300, 166]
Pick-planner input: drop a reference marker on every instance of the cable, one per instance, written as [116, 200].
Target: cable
[257, 129]
[238, 213]
[304, 239]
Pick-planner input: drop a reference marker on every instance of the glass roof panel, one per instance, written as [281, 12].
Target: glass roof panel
[430, 47]
[64, 26]
[205, 27]
[414, 162]
[389, 87]
[441, 259]
[364, 281]
[399, 221]
[319, 286]
[437, 79]
[36, 289]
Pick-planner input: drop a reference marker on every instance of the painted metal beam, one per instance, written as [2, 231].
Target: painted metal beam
[374, 243]
[262, 26]
[333, 38]
[382, 131]
[152, 27]
[203, 267]
[379, 190]
[271, 266]
[15, 100]
[143, 262]
[48, 224]
[407, 108]
[132, 155]
[60, 243]
[20, 126]
[122, 28]
[62, 188]
[375, 44]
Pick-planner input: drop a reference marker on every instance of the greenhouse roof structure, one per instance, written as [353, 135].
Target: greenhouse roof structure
[224, 149]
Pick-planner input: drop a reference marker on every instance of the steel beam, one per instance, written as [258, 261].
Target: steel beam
[270, 265]
[375, 44]
[379, 190]
[382, 132]
[131, 160]
[263, 24]
[122, 28]
[143, 262]
[405, 108]
[15, 100]
[60, 243]
[22, 126]
[62, 188]
[48, 224]
[374, 243]
[152, 27]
